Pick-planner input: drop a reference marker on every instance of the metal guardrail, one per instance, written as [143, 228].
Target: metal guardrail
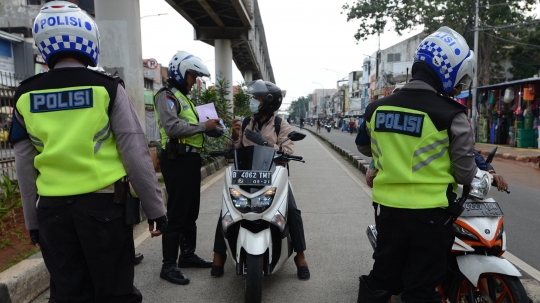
[8, 85]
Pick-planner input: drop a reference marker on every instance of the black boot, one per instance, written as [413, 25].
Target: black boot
[188, 258]
[368, 295]
[169, 271]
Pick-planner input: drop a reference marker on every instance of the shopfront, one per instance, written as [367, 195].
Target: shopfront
[508, 113]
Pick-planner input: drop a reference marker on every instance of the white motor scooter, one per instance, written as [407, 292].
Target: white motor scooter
[254, 212]
[476, 272]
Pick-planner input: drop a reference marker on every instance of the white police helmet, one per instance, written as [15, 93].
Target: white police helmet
[448, 54]
[184, 62]
[62, 27]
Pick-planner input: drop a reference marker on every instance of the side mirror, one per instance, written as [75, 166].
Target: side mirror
[491, 155]
[294, 136]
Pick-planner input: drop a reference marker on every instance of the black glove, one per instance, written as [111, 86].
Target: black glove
[34, 236]
[215, 132]
[161, 223]
[255, 137]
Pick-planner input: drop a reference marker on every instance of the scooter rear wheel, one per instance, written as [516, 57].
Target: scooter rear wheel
[253, 279]
[500, 288]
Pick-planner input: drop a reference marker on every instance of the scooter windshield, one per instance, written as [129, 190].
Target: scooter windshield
[258, 158]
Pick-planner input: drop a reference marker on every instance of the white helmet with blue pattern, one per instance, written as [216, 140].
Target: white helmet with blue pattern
[449, 56]
[184, 62]
[63, 27]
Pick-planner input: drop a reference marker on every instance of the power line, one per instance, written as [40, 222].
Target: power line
[491, 27]
[515, 42]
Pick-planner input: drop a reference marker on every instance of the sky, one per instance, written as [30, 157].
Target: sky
[308, 41]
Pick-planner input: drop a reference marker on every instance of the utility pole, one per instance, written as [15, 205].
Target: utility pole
[475, 78]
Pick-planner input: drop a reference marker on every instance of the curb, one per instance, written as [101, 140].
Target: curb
[355, 160]
[530, 160]
[27, 279]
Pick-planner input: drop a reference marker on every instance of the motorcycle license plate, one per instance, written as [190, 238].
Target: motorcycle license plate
[250, 177]
[481, 209]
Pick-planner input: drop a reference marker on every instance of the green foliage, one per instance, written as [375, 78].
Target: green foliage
[10, 195]
[241, 102]
[526, 58]
[300, 106]
[406, 15]
[218, 96]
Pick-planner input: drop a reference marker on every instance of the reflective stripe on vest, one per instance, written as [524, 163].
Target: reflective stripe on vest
[188, 113]
[70, 129]
[412, 157]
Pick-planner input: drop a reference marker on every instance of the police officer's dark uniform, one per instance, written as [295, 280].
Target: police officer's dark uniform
[182, 140]
[422, 147]
[75, 135]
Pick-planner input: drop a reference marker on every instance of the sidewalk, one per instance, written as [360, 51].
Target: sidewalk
[530, 156]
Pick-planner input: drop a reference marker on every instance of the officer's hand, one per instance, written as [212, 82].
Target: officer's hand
[211, 123]
[34, 237]
[236, 126]
[161, 225]
[255, 137]
[501, 183]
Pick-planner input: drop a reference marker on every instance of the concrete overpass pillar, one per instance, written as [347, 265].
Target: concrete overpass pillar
[120, 46]
[248, 76]
[224, 57]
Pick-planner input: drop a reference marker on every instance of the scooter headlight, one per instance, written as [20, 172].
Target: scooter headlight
[279, 221]
[257, 204]
[480, 187]
[463, 232]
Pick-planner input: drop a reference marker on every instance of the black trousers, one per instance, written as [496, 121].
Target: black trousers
[88, 249]
[296, 229]
[412, 253]
[182, 178]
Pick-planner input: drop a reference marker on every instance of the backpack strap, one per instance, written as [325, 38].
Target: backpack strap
[245, 123]
[277, 124]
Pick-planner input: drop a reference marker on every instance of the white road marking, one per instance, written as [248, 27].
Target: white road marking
[533, 272]
[140, 239]
[522, 265]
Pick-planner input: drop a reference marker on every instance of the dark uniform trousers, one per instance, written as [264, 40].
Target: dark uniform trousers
[412, 252]
[88, 249]
[296, 229]
[182, 178]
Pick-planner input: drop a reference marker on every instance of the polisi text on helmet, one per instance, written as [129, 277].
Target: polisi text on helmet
[61, 20]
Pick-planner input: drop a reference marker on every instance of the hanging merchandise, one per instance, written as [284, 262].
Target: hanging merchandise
[508, 95]
[529, 92]
[491, 98]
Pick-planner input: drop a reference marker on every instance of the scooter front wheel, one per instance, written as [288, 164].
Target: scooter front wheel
[253, 279]
[491, 288]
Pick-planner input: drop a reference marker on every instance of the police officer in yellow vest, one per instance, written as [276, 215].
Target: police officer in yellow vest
[422, 146]
[182, 140]
[76, 134]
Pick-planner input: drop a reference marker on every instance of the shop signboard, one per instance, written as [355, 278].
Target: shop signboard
[7, 63]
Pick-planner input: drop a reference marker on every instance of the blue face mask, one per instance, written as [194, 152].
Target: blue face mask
[254, 105]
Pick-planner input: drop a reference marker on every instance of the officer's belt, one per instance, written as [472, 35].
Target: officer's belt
[191, 149]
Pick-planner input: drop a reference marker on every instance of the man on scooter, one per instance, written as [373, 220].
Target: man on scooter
[262, 129]
[415, 186]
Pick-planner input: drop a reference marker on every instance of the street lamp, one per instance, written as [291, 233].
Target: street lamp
[337, 83]
[154, 15]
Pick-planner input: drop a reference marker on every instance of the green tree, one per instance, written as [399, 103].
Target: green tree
[300, 106]
[525, 56]
[241, 102]
[405, 15]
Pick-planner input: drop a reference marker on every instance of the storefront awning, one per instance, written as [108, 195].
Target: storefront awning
[10, 37]
[529, 80]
